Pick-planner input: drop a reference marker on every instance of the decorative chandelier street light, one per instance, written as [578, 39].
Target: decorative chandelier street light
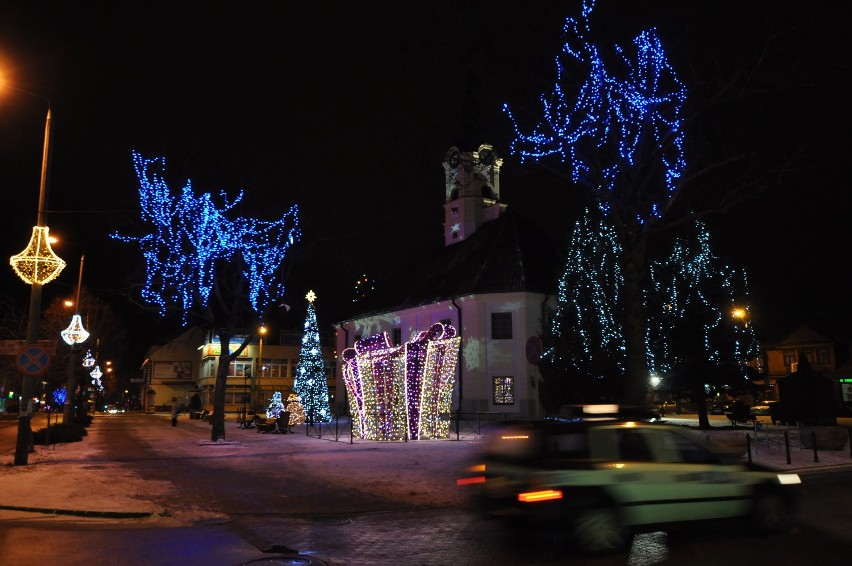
[74, 335]
[88, 360]
[37, 265]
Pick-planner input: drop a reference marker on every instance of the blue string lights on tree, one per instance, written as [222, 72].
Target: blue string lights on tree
[310, 383]
[612, 119]
[197, 243]
[191, 236]
[615, 117]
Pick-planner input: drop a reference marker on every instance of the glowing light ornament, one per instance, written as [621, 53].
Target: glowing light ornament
[59, 396]
[402, 392]
[96, 373]
[297, 411]
[75, 333]
[37, 264]
[88, 359]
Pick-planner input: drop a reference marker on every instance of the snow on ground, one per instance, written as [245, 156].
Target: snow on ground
[78, 476]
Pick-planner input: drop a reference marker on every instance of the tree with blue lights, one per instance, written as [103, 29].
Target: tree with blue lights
[584, 358]
[614, 117]
[695, 341]
[310, 383]
[204, 260]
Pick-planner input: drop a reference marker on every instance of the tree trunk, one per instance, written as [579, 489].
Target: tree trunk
[699, 398]
[217, 431]
[636, 360]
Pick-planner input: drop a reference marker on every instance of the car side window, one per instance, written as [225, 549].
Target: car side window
[632, 446]
[570, 445]
[672, 447]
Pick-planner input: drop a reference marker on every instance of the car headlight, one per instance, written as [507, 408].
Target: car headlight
[789, 479]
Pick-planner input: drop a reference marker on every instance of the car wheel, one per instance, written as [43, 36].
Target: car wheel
[599, 530]
[771, 513]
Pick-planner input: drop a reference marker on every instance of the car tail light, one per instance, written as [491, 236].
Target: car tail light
[544, 495]
[471, 480]
[477, 475]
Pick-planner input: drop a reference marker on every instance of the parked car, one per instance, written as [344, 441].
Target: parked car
[603, 480]
[719, 409]
[760, 409]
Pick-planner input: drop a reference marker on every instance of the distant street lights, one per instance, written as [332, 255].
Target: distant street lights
[36, 265]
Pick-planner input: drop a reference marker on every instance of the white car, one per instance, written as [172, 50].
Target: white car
[603, 480]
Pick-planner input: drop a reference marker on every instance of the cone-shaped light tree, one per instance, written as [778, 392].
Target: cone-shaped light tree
[310, 383]
[584, 359]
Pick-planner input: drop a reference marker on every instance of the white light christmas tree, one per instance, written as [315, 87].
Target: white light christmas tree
[310, 383]
[275, 406]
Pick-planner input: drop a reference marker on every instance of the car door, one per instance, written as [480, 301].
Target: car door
[661, 476]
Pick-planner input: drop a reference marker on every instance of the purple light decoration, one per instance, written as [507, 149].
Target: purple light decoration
[398, 392]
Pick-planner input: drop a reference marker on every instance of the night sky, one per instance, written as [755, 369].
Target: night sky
[347, 109]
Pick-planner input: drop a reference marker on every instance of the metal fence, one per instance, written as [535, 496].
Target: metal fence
[463, 426]
[783, 441]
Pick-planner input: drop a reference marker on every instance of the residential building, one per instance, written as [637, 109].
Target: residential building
[187, 366]
[826, 355]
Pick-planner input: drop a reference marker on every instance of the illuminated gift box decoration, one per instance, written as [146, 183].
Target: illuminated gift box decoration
[399, 392]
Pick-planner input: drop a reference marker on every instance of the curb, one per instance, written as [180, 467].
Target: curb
[101, 514]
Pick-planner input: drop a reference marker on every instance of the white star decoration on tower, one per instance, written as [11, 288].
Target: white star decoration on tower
[311, 296]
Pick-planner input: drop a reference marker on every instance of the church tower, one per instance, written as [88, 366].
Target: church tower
[472, 192]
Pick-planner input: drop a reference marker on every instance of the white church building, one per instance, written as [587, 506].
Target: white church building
[494, 280]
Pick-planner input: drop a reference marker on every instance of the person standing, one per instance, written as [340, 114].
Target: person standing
[174, 411]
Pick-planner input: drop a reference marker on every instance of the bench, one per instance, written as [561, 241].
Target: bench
[205, 415]
[742, 416]
[269, 425]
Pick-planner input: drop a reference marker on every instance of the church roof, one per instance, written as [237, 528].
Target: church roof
[505, 255]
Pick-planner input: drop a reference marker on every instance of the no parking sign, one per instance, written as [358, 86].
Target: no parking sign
[33, 360]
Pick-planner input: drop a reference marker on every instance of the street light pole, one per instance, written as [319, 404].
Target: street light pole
[262, 331]
[25, 433]
[74, 335]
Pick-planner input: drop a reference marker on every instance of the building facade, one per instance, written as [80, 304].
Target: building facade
[186, 367]
[492, 281]
[827, 356]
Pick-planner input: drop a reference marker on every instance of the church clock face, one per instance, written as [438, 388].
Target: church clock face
[453, 159]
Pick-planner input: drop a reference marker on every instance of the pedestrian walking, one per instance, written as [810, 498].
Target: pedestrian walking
[174, 411]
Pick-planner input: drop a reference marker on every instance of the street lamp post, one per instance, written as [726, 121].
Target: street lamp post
[74, 335]
[262, 332]
[36, 265]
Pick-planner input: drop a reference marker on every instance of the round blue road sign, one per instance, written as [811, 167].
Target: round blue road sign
[33, 360]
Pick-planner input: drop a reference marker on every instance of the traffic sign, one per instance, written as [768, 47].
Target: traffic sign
[534, 350]
[33, 360]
